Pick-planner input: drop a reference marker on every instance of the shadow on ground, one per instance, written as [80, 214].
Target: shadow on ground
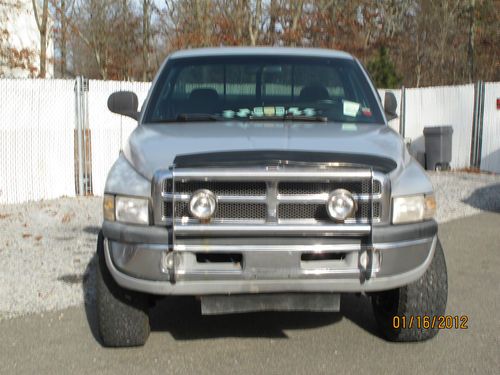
[486, 198]
[92, 229]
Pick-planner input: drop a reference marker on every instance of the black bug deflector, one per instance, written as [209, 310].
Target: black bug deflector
[272, 157]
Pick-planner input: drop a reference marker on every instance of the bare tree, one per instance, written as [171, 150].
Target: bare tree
[11, 57]
[254, 23]
[427, 41]
[146, 18]
[41, 23]
[470, 49]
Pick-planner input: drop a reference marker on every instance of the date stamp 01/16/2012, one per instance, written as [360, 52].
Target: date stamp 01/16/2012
[430, 322]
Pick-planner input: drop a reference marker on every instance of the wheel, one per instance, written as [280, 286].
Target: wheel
[425, 297]
[122, 315]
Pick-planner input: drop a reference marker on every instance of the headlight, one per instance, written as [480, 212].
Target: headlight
[132, 210]
[413, 208]
[340, 205]
[202, 204]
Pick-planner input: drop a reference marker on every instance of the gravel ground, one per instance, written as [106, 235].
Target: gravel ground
[47, 247]
[45, 250]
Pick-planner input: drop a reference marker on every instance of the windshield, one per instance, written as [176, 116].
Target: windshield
[263, 88]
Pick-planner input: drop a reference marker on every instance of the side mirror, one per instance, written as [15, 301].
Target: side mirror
[124, 103]
[390, 105]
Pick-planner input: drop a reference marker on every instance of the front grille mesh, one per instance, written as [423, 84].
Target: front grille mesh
[292, 211]
[226, 210]
[222, 187]
[305, 188]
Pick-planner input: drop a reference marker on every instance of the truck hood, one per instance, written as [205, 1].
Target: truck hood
[153, 147]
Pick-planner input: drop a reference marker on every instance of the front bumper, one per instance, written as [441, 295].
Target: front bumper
[399, 255]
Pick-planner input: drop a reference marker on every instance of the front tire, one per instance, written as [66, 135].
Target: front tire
[425, 297]
[122, 315]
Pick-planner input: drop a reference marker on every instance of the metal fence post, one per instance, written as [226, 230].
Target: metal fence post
[477, 126]
[78, 138]
[402, 112]
[83, 158]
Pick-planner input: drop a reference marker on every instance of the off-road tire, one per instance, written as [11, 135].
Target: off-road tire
[122, 315]
[425, 297]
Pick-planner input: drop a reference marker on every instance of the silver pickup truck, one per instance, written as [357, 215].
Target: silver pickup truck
[266, 179]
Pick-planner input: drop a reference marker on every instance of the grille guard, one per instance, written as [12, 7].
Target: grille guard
[164, 194]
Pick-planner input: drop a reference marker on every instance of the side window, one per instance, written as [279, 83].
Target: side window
[357, 90]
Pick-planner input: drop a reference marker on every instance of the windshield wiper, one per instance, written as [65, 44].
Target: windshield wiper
[186, 117]
[289, 117]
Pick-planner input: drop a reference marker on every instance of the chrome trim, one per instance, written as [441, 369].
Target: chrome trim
[210, 272]
[272, 229]
[272, 201]
[330, 271]
[189, 220]
[282, 198]
[157, 190]
[222, 198]
[280, 248]
[384, 197]
[322, 198]
[270, 174]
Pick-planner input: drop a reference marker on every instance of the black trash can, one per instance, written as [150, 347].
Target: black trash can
[438, 147]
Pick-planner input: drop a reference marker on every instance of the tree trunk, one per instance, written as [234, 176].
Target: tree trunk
[470, 49]
[254, 23]
[63, 38]
[42, 29]
[43, 55]
[272, 23]
[145, 39]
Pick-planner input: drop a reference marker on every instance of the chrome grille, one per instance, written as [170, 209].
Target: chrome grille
[271, 195]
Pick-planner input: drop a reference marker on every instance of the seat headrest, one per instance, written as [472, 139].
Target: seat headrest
[313, 93]
[203, 101]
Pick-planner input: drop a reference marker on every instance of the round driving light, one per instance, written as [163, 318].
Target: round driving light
[202, 204]
[340, 205]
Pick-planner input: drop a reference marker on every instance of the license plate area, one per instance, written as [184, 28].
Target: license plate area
[244, 303]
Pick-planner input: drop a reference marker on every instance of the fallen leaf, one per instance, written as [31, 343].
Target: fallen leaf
[4, 216]
[67, 218]
[26, 235]
[38, 238]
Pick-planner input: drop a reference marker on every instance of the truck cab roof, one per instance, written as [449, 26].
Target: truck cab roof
[262, 51]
